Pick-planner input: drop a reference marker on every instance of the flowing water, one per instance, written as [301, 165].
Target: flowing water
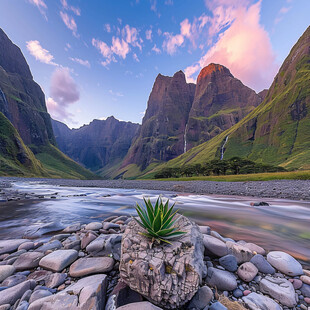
[223, 148]
[284, 225]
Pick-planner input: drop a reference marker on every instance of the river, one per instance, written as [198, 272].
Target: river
[283, 225]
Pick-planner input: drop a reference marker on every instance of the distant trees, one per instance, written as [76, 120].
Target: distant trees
[235, 165]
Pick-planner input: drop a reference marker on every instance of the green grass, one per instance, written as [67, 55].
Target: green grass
[292, 175]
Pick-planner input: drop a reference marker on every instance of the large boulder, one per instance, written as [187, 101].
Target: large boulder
[167, 274]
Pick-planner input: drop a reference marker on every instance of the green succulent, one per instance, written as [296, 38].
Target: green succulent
[158, 220]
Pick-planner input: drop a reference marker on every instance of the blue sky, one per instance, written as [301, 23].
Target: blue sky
[99, 58]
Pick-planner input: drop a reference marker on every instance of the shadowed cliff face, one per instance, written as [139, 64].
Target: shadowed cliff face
[101, 143]
[21, 99]
[220, 102]
[161, 136]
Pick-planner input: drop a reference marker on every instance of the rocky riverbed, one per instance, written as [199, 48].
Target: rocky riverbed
[78, 268]
[288, 189]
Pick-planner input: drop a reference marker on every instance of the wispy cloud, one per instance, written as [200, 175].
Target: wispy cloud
[71, 8]
[69, 22]
[172, 42]
[63, 93]
[117, 94]
[41, 5]
[81, 61]
[107, 28]
[67, 47]
[148, 34]
[283, 11]
[254, 63]
[135, 57]
[156, 49]
[35, 49]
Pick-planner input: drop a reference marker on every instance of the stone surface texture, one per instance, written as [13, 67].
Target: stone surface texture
[167, 275]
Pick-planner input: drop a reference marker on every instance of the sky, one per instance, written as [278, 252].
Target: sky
[97, 58]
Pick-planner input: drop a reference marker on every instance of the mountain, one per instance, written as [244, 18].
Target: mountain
[31, 145]
[220, 102]
[99, 146]
[277, 132]
[180, 116]
[161, 136]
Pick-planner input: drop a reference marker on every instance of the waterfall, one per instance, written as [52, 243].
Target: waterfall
[5, 106]
[223, 147]
[185, 142]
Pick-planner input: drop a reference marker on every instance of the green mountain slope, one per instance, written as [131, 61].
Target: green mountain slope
[277, 132]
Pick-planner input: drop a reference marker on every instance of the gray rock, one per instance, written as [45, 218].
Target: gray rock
[87, 293]
[5, 307]
[26, 246]
[217, 306]
[106, 245]
[55, 279]
[242, 253]
[305, 290]
[247, 271]
[28, 261]
[23, 305]
[145, 305]
[14, 280]
[15, 254]
[255, 248]
[221, 279]
[38, 231]
[52, 245]
[261, 264]
[58, 260]
[6, 271]
[93, 226]
[229, 262]
[206, 230]
[108, 225]
[167, 274]
[12, 294]
[238, 293]
[39, 294]
[201, 299]
[214, 246]
[39, 275]
[285, 263]
[91, 265]
[279, 289]
[88, 238]
[10, 245]
[76, 245]
[72, 228]
[256, 301]
[26, 296]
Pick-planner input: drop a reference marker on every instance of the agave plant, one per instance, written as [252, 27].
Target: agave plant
[158, 220]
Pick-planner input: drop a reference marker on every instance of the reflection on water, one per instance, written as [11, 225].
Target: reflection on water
[284, 225]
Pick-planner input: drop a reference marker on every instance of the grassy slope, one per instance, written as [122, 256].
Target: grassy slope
[279, 139]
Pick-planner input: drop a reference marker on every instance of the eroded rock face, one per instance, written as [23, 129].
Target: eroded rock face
[167, 275]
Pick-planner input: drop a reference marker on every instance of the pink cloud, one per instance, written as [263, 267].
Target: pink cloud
[69, 22]
[41, 5]
[172, 42]
[41, 54]
[119, 47]
[244, 47]
[148, 34]
[156, 49]
[82, 62]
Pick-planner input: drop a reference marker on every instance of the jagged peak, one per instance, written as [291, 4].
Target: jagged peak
[211, 68]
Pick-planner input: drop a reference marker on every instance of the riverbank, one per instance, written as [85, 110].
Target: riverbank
[286, 189]
[78, 268]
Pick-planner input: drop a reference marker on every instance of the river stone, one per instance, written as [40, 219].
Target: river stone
[256, 301]
[229, 262]
[214, 246]
[28, 260]
[52, 245]
[279, 289]
[167, 274]
[201, 299]
[285, 263]
[305, 279]
[26, 246]
[37, 294]
[5, 307]
[93, 226]
[247, 271]
[14, 280]
[11, 245]
[305, 290]
[217, 306]
[55, 279]
[145, 305]
[206, 230]
[15, 254]
[108, 225]
[23, 305]
[38, 231]
[106, 245]
[12, 294]
[6, 271]
[261, 264]
[87, 293]
[58, 260]
[72, 228]
[221, 279]
[90, 265]
[241, 252]
[255, 248]
[88, 238]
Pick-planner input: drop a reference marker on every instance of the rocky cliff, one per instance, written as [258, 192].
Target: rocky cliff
[30, 148]
[277, 132]
[100, 145]
[220, 102]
